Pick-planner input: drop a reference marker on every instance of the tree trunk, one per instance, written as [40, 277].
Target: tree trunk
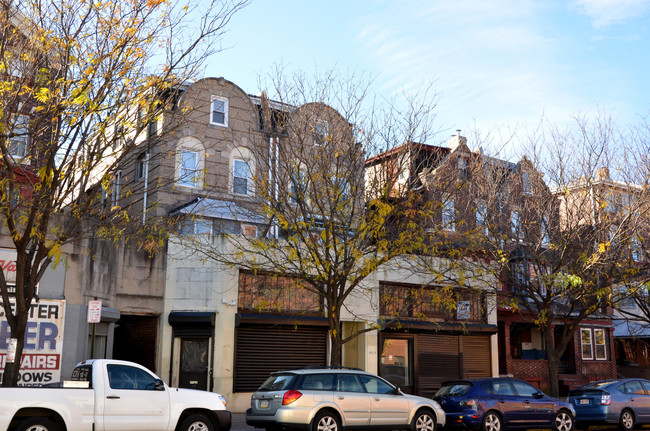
[336, 348]
[12, 369]
[552, 358]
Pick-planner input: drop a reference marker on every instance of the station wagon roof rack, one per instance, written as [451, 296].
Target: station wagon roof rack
[329, 367]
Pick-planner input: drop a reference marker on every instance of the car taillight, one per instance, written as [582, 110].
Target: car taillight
[290, 396]
[470, 403]
[605, 400]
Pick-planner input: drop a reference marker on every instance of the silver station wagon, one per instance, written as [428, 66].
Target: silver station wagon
[332, 399]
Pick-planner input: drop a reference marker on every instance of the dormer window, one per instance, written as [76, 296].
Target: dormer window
[219, 111]
[321, 132]
[462, 169]
[525, 182]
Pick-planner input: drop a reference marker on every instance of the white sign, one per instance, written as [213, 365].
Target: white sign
[463, 310]
[95, 311]
[8, 266]
[41, 359]
[11, 350]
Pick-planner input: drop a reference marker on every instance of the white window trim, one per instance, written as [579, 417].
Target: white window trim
[225, 114]
[193, 180]
[248, 178]
[592, 344]
[582, 344]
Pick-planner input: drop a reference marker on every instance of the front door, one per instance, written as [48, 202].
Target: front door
[193, 373]
[397, 361]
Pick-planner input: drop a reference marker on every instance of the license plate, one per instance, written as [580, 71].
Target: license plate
[264, 404]
[584, 401]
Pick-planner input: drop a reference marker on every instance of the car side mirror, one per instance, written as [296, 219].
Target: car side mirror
[538, 395]
[397, 391]
[159, 385]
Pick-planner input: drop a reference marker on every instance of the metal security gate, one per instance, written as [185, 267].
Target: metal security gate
[477, 358]
[438, 359]
[261, 349]
[448, 357]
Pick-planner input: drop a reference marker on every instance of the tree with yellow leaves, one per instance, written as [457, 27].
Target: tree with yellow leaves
[81, 82]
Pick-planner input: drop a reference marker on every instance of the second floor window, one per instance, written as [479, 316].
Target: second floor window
[18, 142]
[219, 111]
[545, 234]
[189, 169]
[481, 218]
[448, 213]
[140, 166]
[241, 176]
[117, 185]
[515, 225]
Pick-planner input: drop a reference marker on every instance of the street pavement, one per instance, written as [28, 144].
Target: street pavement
[239, 422]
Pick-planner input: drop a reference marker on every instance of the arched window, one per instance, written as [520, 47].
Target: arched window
[190, 162]
[242, 168]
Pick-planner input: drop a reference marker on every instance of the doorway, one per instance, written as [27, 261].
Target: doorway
[194, 364]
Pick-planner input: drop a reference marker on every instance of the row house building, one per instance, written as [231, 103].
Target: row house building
[203, 324]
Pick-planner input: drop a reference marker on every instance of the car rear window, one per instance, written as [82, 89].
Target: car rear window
[277, 382]
[453, 390]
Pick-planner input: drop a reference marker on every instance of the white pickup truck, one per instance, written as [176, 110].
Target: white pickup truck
[111, 395]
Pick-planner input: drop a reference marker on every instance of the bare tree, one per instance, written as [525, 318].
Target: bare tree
[562, 231]
[79, 80]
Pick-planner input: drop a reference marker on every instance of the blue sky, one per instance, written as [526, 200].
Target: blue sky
[495, 63]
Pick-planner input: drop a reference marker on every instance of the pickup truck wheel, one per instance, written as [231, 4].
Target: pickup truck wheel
[37, 424]
[196, 423]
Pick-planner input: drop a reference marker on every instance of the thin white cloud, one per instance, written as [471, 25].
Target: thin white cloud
[604, 13]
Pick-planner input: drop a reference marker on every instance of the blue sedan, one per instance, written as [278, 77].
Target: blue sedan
[621, 401]
[495, 404]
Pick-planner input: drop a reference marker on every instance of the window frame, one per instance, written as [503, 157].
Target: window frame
[116, 189]
[21, 134]
[247, 179]
[515, 225]
[225, 111]
[482, 221]
[321, 132]
[448, 214]
[593, 344]
[189, 180]
[140, 167]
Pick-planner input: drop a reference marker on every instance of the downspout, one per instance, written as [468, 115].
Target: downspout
[146, 187]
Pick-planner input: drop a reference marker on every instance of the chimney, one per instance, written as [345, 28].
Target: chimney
[456, 140]
[602, 173]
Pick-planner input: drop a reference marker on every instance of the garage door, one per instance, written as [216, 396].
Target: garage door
[262, 349]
